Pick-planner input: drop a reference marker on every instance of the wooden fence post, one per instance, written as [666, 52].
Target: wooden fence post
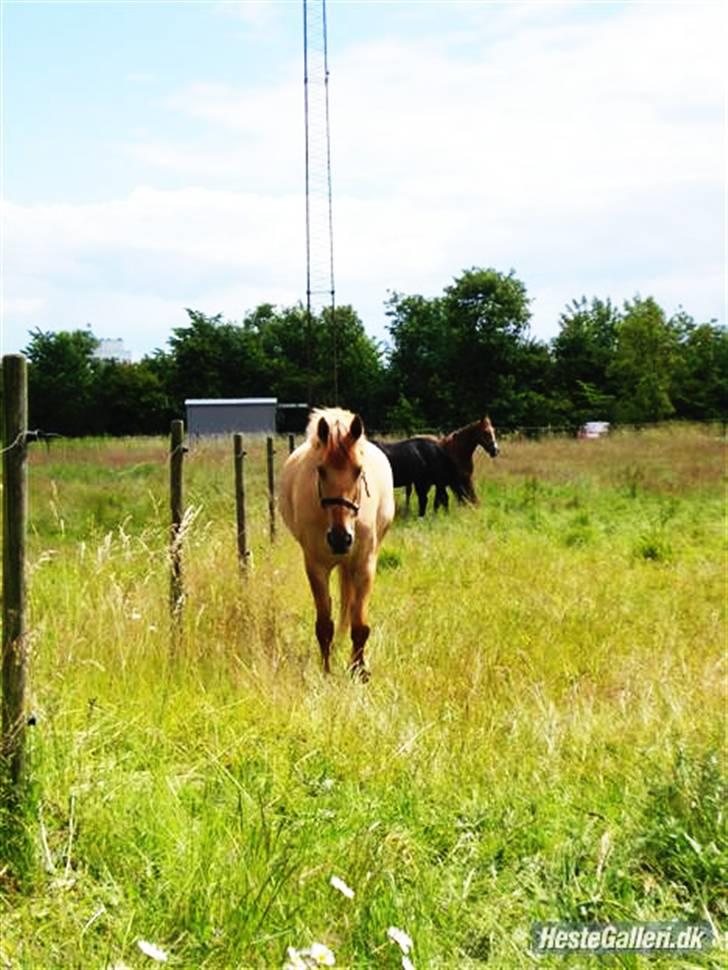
[239, 464]
[15, 517]
[271, 489]
[176, 458]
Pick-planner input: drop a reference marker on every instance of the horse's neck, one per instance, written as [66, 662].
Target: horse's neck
[462, 443]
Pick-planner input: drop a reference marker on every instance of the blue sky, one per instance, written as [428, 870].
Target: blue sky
[153, 157]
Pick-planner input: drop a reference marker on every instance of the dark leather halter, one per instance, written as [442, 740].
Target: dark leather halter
[352, 506]
[340, 500]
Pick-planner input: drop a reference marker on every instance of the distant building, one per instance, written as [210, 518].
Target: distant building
[112, 348]
[254, 415]
[292, 417]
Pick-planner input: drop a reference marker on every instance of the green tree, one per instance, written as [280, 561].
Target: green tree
[61, 380]
[457, 356]
[361, 373]
[700, 380]
[488, 315]
[531, 399]
[129, 399]
[418, 368]
[582, 355]
[403, 418]
[300, 357]
[644, 363]
[214, 358]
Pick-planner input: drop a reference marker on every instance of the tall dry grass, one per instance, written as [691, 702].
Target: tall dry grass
[542, 737]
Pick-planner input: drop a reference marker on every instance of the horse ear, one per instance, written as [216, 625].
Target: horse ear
[356, 429]
[323, 431]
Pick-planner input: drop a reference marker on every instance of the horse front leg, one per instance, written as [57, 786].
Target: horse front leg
[467, 482]
[318, 579]
[422, 491]
[362, 583]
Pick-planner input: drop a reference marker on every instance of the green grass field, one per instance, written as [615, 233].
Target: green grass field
[543, 736]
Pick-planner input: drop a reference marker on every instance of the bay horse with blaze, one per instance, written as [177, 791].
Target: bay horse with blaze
[336, 497]
[461, 444]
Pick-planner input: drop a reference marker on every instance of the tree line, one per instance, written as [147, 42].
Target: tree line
[449, 359]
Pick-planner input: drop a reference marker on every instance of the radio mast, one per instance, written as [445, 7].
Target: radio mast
[320, 289]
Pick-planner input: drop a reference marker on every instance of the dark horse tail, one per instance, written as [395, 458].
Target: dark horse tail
[422, 462]
[459, 488]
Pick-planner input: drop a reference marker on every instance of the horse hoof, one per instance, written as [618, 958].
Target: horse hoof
[361, 674]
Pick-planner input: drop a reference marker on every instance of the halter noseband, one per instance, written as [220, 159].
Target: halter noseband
[339, 500]
[352, 506]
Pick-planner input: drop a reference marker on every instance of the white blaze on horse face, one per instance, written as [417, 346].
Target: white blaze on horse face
[489, 440]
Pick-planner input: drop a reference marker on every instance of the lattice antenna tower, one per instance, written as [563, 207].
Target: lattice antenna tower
[320, 289]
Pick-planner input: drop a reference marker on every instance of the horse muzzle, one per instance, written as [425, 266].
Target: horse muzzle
[339, 540]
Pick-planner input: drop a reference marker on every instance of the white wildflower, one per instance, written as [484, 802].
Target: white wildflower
[152, 951]
[342, 887]
[321, 955]
[295, 960]
[317, 955]
[403, 941]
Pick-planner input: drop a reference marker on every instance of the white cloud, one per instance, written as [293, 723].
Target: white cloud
[228, 228]
[587, 153]
[132, 265]
[562, 111]
[253, 13]
[190, 161]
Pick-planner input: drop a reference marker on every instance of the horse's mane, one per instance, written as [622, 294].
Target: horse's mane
[485, 420]
[333, 417]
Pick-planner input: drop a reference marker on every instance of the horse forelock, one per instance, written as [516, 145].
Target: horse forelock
[332, 416]
[339, 450]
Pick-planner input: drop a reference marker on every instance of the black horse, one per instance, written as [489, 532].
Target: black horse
[422, 463]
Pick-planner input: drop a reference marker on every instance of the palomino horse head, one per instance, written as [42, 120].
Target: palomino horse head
[339, 470]
[486, 436]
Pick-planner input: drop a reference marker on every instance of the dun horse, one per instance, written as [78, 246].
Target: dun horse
[336, 498]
